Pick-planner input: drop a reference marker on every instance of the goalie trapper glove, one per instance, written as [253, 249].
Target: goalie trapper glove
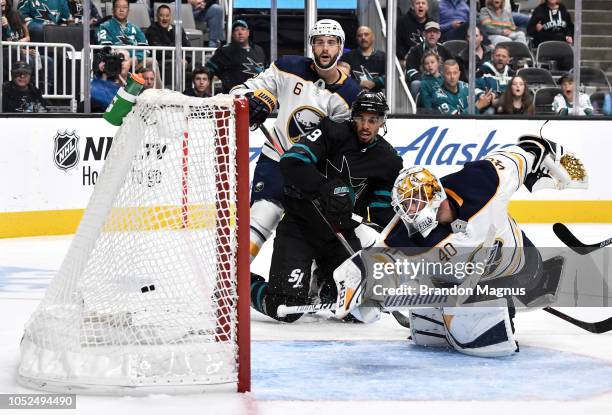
[552, 167]
[261, 104]
[337, 200]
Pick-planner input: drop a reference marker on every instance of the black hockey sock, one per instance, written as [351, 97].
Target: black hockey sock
[259, 288]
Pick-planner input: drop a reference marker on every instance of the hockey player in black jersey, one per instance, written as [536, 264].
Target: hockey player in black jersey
[342, 167]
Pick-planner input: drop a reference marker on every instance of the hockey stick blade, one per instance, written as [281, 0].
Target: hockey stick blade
[597, 327]
[284, 310]
[568, 238]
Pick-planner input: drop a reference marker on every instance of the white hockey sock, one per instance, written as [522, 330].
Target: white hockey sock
[265, 216]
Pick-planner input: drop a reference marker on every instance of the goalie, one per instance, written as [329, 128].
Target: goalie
[452, 214]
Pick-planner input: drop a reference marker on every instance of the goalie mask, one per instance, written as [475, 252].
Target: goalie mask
[416, 198]
[326, 27]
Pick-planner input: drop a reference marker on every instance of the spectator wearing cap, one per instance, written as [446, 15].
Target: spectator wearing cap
[19, 95]
[239, 60]
[367, 64]
[410, 28]
[415, 55]
[454, 19]
[563, 104]
[201, 84]
[38, 13]
[211, 12]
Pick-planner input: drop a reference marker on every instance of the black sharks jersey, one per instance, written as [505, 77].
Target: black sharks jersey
[333, 151]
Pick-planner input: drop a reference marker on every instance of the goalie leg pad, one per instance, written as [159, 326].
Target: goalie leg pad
[483, 331]
[427, 327]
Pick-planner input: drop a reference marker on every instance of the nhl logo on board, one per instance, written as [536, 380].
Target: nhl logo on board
[66, 150]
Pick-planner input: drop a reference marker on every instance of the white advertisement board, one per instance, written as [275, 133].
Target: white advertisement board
[50, 164]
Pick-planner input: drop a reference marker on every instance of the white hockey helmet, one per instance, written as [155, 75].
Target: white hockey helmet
[416, 197]
[327, 27]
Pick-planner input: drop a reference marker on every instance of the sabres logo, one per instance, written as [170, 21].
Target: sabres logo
[66, 150]
[302, 121]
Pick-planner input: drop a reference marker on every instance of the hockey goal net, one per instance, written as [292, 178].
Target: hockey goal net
[153, 294]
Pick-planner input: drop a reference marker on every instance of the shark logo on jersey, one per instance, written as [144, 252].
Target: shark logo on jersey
[66, 150]
[252, 68]
[357, 183]
[364, 74]
[302, 121]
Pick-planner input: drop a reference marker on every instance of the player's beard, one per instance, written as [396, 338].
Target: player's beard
[330, 65]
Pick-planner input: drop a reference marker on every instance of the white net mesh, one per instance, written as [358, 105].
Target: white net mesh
[146, 295]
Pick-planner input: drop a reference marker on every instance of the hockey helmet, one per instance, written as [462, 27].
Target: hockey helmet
[367, 101]
[327, 27]
[416, 197]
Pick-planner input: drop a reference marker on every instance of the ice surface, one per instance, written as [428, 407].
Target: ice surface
[321, 366]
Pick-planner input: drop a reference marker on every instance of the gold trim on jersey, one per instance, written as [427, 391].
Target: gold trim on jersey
[454, 195]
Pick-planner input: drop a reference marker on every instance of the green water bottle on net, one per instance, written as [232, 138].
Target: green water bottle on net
[124, 100]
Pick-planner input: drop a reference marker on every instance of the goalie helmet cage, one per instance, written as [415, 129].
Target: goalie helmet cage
[153, 294]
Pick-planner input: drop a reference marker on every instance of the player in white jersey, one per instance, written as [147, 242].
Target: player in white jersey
[447, 221]
[307, 90]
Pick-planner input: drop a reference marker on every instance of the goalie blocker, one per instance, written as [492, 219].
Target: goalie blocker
[444, 217]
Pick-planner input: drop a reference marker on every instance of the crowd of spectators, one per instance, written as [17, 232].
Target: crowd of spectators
[420, 48]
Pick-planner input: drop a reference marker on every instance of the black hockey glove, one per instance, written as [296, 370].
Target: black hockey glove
[337, 202]
[552, 167]
[261, 104]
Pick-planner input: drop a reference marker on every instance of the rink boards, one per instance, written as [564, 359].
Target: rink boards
[50, 165]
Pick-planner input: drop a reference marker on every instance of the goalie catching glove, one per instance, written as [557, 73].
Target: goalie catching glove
[552, 167]
[337, 201]
[261, 104]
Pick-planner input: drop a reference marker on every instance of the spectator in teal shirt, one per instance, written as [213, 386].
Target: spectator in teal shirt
[431, 81]
[38, 13]
[119, 31]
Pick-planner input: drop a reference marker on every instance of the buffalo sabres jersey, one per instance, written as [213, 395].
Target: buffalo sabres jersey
[479, 195]
[304, 98]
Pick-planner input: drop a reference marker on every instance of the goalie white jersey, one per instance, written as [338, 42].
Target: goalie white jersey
[479, 194]
[304, 99]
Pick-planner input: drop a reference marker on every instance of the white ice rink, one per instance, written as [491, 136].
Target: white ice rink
[321, 366]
